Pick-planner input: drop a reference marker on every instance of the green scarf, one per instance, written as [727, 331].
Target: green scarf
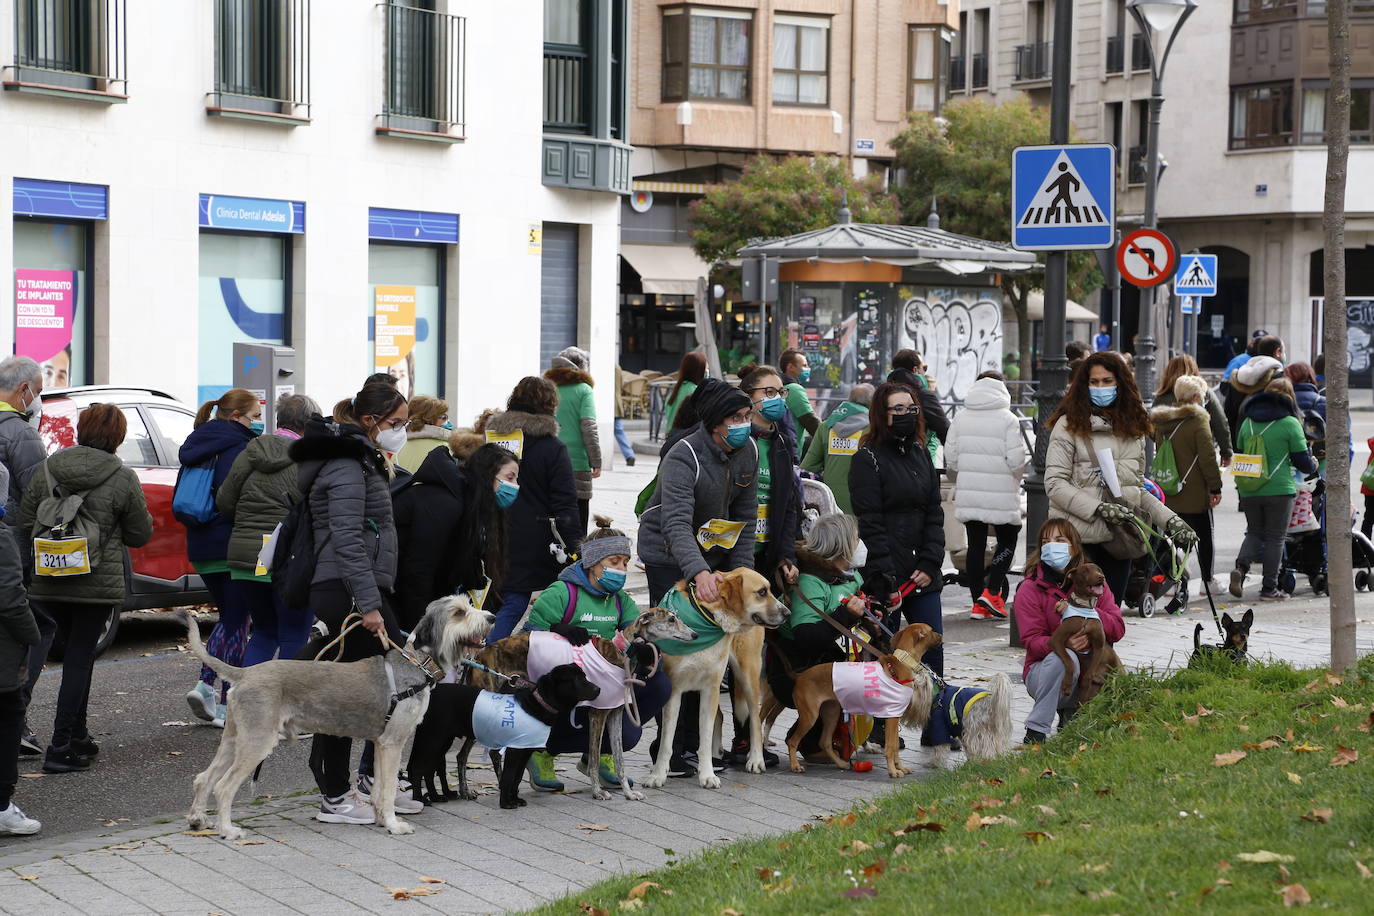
[708, 633]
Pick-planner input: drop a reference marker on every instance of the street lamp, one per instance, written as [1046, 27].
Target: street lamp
[1156, 19]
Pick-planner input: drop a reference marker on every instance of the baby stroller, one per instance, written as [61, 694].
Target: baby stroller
[1362, 555]
[1160, 578]
[1305, 546]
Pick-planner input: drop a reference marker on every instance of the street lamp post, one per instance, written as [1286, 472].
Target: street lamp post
[1155, 19]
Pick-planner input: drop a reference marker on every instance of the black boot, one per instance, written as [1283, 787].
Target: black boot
[1033, 737]
[64, 760]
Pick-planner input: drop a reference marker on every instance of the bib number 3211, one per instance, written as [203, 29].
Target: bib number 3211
[61, 557]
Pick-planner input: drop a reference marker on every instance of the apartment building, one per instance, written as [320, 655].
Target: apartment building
[426, 187]
[714, 85]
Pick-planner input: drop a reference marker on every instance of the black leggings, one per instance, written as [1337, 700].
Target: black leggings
[11, 730]
[1201, 522]
[996, 582]
[1118, 572]
[80, 626]
[330, 754]
[1367, 523]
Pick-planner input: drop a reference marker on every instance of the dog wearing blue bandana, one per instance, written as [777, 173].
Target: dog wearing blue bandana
[1078, 614]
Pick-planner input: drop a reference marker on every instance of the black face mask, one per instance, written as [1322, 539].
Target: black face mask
[904, 425]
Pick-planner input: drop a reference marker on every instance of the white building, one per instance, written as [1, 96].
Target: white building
[186, 175]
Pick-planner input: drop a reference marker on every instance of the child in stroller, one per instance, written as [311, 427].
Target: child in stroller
[1160, 578]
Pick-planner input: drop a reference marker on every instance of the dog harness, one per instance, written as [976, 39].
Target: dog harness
[549, 650]
[1087, 612]
[696, 618]
[498, 721]
[948, 712]
[866, 688]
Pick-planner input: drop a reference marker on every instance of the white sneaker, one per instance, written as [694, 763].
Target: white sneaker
[221, 712]
[347, 810]
[14, 822]
[405, 802]
[201, 699]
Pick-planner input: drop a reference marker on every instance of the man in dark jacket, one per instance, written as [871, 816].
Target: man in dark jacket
[18, 631]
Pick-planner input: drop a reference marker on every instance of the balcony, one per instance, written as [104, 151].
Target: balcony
[566, 88]
[584, 109]
[957, 74]
[1033, 61]
[1116, 53]
[70, 49]
[262, 61]
[980, 71]
[425, 80]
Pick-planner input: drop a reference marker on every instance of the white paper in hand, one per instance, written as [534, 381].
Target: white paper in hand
[269, 547]
[1107, 461]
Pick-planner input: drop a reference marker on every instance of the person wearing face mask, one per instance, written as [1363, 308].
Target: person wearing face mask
[255, 497]
[343, 470]
[796, 374]
[701, 518]
[779, 491]
[1059, 550]
[428, 429]
[1102, 413]
[223, 429]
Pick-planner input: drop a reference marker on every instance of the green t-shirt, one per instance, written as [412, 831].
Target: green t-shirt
[670, 409]
[597, 615]
[824, 595]
[1281, 437]
[799, 405]
[575, 403]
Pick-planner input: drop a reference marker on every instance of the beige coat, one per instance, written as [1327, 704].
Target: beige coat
[1075, 490]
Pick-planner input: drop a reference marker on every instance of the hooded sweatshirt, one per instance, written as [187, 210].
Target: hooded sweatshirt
[260, 488]
[831, 451]
[220, 442]
[1273, 418]
[594, 610]
[985, 448]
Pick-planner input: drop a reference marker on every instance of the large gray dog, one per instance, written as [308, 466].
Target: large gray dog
[381, 699]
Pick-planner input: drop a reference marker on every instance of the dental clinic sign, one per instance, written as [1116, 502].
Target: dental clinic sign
[252, 214]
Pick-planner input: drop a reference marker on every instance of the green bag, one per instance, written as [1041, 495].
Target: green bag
[1164, 469]
[1251, 467]
[1367, 478]
[645, 495]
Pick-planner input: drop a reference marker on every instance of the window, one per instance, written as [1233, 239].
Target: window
[262, 58]
[137, 448]
[928, 65]
[958, 62]
[74, 44]
[801, 60]
[706, 54]
[405, 297]
[424, 72]
[243, 295]
[1314, 112]
[1261, 116]
[1114, 114]
[1136, 172]
[173, 426]
[982, 36]
[567, 67]
[52, 299]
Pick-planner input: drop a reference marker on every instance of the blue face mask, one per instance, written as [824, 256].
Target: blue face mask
[611, 580]
[448, 425]
[1103, 397]
[774, 408]
[804, 375]
[257, 426]
[735, 436]
[1055, 555]
[506, 492]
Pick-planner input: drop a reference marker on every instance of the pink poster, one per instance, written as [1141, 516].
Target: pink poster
[44, 303]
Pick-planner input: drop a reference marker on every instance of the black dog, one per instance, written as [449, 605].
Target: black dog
[1237, 642]
[450, 715]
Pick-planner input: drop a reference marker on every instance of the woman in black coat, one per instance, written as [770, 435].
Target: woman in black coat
[896, 494]
[546, 494]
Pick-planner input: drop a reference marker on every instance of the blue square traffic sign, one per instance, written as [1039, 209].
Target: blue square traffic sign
[1196, 275]
[1063, 197]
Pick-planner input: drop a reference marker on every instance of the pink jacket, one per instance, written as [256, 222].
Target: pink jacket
[1036, 620]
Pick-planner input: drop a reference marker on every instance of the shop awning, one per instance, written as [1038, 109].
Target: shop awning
[1035, 306]
[666, 269]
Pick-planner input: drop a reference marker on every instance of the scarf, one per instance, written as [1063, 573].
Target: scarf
[708, 632]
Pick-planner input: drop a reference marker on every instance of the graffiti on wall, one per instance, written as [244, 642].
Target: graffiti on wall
[1359, 316]
[958, 333]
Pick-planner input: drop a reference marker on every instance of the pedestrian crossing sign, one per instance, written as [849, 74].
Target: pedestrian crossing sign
[1063, 197]
[1197, 275]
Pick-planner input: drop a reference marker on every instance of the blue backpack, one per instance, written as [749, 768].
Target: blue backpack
[193, 500]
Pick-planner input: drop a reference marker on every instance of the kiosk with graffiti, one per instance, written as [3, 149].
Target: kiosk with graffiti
[958, 333]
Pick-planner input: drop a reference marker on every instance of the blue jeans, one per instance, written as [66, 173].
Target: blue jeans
[623, 440]
[277, 630]
[512, 608]
[230, 635]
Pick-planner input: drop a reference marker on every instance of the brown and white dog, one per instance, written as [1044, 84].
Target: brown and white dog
[1086, 582]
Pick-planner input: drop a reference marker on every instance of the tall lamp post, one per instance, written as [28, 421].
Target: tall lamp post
[1158, 20]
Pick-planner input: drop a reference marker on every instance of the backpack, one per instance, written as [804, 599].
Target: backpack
[193, 500]
[1251, 469]
[66, 540]
[1164, 469]
[572, 606]
[293, 561]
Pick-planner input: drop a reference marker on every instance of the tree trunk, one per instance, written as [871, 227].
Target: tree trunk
[1019, 294]
[1340, 571]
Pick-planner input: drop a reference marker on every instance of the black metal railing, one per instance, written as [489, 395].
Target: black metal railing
[957, 74]
[425, 71]
[1116, 53]
[567, 72]
[72, 44]
[1033, 61]
[1136, 172]
[1140, 52]
[262, 57]
[980, 71]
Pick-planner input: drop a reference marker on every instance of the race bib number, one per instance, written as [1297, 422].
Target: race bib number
[261, 568]
[719, 532]
[1247, 465]
[761, 525]
[65, 557]
[511, 442]
[843, 445]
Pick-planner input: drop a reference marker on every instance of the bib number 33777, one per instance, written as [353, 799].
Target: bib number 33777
[61, 557]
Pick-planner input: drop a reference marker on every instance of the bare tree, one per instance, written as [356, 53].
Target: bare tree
[1341, 581]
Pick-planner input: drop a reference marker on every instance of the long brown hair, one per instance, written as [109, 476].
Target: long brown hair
[1127, 414]
[376, 399]
[235, 400]
[879, 421]
[1179, 366]
[691, 369]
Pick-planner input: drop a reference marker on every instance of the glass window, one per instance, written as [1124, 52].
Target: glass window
[173, 426]
[712, 46]
[801, 48]
[137, 448]
[52, 301]
[927, 67]
[405, 302]
[563, 22]
[1314, 107]
[242, 298]
[1261, 116]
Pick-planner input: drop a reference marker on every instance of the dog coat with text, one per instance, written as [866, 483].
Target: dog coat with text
[549, 650]
[948, 712]
[867, 688]
[499, 722]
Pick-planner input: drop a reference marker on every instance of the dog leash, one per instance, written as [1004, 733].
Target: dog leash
[514, 680]
[847, 632]
[1207, 588]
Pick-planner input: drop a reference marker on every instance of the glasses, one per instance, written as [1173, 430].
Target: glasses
[767, 392]
[393, 422]
[741, 416]
[902, 410]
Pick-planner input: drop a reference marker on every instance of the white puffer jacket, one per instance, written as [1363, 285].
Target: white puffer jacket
[985, 448]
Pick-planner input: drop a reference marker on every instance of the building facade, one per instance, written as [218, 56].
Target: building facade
[427, 187]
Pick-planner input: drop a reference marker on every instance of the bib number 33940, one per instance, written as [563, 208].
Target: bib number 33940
[61, 557]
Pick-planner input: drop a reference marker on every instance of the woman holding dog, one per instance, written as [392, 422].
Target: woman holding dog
[1102, 413]
[345, 475]
[1058, 552]
[896, 494]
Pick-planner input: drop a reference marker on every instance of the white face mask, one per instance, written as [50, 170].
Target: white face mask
[35, 412]
[860, 556]
[392, 440]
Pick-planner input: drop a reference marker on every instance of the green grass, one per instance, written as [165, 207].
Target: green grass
[1123, 812]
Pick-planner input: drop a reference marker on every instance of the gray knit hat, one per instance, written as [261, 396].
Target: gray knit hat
[594, 550]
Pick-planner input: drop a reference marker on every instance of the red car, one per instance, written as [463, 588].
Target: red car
[158, 573]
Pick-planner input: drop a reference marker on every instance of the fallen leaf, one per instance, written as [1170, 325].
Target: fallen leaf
[175, 753]
[1284, 873]
[995, 781]
[1095, 869]
[974, 822]
[1102, 791]
[428, 880]
[875, 870]
[1367, 724]
[1047, 773]
[1335, 680]
[855, 893]
[593, 910]
[1047, 811]
[1364, 872]
[1203, 710]
[1242, 728]
[127, 847]
[1339, 703]
[915, 826]
[1102, 894]
[593, 827]
[1223, 865]
[1319, 815]
[728, 911]
[845, 821]
[206, 832]
[854, 848]
[1295, 895]
[399, 893]
[987, 802]
[32, 775]
[1344, 756]
[1312, 685]
[1190, 720]
[249, 842]
[1044, 882]
[1229, 758]
[1294, 778]
[765, 874]
[1037, 836]
[1222, 882]
[1288, 735]
[903, 849]
[642, 889]
[1263, 857]
[995, 819]
[1306, 748]
[1262, 746]
[176, 723]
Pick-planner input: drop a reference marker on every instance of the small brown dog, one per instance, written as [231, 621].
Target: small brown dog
[815, 696]
[1085, 582]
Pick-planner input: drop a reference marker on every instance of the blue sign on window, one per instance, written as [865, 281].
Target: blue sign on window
[35, 197]
[412, 226]
[254, 214]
